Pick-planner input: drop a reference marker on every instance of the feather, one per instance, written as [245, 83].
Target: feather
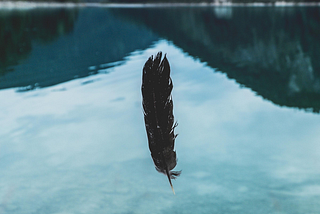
[158, 115]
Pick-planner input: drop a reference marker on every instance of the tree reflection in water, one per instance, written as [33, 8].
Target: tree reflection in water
[19, 29]
[273, 51]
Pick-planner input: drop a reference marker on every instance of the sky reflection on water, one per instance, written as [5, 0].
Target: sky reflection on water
[81, 147]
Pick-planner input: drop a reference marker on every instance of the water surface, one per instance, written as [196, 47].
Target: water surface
[246, 83]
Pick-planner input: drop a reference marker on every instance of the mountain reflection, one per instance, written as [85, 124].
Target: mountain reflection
[93, 39]
[19, 29]
[273, 51]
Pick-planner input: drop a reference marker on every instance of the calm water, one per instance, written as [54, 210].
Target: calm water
[246, 97]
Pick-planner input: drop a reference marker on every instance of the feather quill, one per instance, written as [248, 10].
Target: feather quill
[158, 115]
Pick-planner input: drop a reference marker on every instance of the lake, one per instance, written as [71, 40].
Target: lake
[246, 96]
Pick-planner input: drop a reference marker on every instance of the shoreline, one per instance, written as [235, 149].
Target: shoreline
[30, 4]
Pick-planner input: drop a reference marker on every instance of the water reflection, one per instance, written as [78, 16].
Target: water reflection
[81, 148]
[20, 29]
[273, 51]
[44, 47]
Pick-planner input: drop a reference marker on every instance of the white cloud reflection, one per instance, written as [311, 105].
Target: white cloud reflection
[81, 148]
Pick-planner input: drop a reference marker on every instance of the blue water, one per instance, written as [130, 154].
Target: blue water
[78, 145]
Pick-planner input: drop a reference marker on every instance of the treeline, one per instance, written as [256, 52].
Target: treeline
[172, 1]
[202, 1]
